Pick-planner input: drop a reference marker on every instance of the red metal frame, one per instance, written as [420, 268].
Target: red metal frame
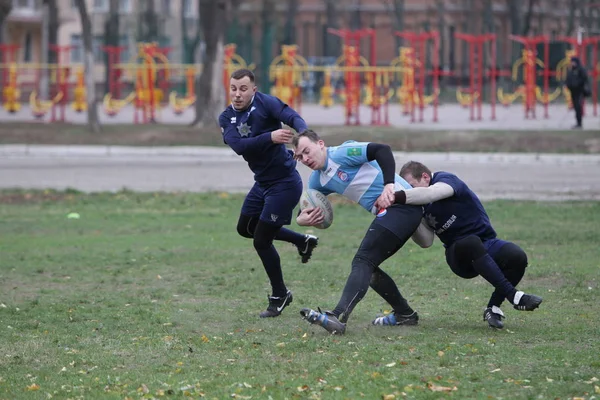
[353, 38]
[62, 81]
[418, 42]
[476, 71]
[580, 47]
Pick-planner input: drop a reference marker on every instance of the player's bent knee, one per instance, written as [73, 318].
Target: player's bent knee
[245, 226]
[470, 246]
[514, 256]
[262, 242]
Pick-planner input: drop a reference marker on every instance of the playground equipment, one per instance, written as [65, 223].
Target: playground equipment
[151, 81]
[352, 77]
[580, 49]
[285, 70]
[415, 73]
[79, 94]
[59, 88]
[231, 62]
[327, 91]
[473, 96]
[180, 105]
[10, 92]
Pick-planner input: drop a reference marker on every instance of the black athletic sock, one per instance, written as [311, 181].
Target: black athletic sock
[489, 270]
[263, 243]
[355, 289]
[385, 286]
[290, 236]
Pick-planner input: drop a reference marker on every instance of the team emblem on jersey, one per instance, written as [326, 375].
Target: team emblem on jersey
[431, 221]
[381, 212]
[274, 217]
[244, 129]
[342, 175]
[354, 151]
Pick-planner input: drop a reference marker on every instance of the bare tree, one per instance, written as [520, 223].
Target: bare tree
[332, 43]
[148, 27]
[397, 9]
[111, 35]
[190, 43]
[53, 26]
[86, 32]
[5, 9]
[290, 31]
[213, 22]
[527, 18]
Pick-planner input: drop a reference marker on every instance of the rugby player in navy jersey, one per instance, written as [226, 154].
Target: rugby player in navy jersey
[364, 173]
[252, 127]
[455, 214]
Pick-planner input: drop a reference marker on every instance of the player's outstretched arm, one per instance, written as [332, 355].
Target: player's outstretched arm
[424, 195]
[424, 235]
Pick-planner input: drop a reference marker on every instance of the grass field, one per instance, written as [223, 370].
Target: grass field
[155, 296]
[586, 142]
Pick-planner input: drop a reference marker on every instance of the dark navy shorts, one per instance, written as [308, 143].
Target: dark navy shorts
[274, 203]
[401, 220]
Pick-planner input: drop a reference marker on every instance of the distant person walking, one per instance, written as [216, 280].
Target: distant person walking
[578, 84]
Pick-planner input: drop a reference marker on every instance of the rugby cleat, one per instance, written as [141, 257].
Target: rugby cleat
[394, 319]
[494, 315]
[527, 302]
[276, 305]
[306, 249]
[325, 319]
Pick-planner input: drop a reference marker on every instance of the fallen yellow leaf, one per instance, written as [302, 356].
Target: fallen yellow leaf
[389, 397]
[204, 339]
[436, 388]
[303, 388]
[440, 353]
[33, 387]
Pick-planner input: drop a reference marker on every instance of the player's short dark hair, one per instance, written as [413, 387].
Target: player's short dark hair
[307, 133]
[414, 169]
[242, 73]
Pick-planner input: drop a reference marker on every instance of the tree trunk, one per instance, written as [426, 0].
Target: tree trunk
[53, 25]
[189, 44]
[5, 9]
[332, 42]
[86, 31]
[210, 104]
[268, 34]
[528, 16]
[111, 37]
[397, 9]
[290, 31]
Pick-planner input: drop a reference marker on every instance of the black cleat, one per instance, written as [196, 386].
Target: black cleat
[276, 305]
[325, 319]
[307, 247]
[394, 319]
[528, 302]
[494, 315]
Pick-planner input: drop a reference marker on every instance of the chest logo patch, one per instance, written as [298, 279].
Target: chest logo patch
[244, 129]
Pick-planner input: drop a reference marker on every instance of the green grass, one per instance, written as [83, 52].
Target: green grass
[155, 296]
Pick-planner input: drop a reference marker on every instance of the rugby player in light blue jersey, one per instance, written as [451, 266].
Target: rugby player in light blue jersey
[454, 213]
[364, 173]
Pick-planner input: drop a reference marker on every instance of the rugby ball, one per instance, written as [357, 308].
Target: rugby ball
[313, 198]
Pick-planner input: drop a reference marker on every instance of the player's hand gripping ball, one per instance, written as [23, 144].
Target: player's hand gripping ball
[314, 199]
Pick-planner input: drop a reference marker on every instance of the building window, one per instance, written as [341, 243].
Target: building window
[27, 48]
[100, 5]
[76, 49]
[125, 6]
[188, 9]
[165, 8]
[124, 42]
[97, 44]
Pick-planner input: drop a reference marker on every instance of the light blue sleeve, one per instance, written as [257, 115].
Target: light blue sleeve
[350, 153]
[314, 183]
